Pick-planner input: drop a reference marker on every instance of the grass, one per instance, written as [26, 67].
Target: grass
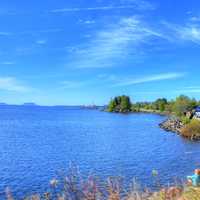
[73, 187]
[189, 193]
[191, 130]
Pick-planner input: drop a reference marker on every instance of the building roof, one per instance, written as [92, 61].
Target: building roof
[197, 109]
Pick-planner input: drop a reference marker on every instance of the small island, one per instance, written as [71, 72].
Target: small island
[120, 104]
[183, 113]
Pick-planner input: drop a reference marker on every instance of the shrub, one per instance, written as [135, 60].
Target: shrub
[160, 104]
[192, 130]
[74, 187]
[185, 120]
[135, 108]
[183, 104]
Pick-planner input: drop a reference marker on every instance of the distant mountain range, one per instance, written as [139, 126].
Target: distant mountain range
[24, 104]
[3, 104]
[66, 106]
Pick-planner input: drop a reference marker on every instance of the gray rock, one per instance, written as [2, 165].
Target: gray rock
[172, 124]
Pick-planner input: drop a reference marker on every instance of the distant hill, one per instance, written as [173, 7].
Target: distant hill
[3, 104]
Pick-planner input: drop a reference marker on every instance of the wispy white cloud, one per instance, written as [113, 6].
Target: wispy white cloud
[96, 81]
[190, 89]
[187, 91]
[7, 63]
[116, 5]
[89, 22]
[2, 33]
[116, 81]
[187, 32]
[112, 44]
[190, 33]
[151, 78]
[195, 19]
[63, 10]
[12, 84]
[41, 42]
[72, 84]
[142, 6]
[176, 92]
[107, 77]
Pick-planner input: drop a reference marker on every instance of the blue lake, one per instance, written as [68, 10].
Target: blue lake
[36, 142]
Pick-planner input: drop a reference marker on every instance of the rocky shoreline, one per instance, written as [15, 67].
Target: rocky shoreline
[172, 124]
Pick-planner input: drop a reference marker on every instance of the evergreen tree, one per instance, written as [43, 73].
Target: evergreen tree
[125, 104]
[120, 104]
[112, 106]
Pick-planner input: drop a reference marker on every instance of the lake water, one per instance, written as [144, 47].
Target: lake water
[36, 142]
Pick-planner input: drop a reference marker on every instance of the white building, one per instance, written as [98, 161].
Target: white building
[197, 112]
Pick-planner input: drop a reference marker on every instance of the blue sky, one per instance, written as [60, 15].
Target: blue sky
[82, 51]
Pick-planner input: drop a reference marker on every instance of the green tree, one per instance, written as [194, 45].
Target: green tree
[125, 104]
[112, 105]
[160, 104]
[120, 104]
[170, 106]
[183, 104]
[136, 107]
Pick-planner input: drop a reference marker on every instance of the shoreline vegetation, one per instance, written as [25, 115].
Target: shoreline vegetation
[182, 113]
[74, 187]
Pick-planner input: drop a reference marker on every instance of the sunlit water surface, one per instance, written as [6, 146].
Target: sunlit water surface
[37, 142]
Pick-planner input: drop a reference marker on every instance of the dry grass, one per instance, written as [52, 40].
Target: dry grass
[192, 130]
[73, 187]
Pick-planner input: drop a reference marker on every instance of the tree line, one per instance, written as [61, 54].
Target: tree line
[179, 106]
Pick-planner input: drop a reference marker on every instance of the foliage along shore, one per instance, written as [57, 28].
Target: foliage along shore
[74, 187]
[181, 111]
